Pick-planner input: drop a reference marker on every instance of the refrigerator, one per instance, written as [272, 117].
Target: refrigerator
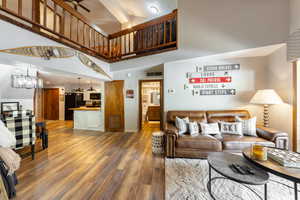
[72, 100]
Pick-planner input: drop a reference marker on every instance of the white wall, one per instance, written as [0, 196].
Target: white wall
[279, 77]
[208, 27]
[132, 105]
[246, 81]
[9, 94]
[294, 15]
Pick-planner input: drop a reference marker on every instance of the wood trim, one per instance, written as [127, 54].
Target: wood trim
[295, 106]
[161, 81]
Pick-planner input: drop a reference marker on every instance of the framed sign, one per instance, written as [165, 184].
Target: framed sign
[9, 106]
[212, 80]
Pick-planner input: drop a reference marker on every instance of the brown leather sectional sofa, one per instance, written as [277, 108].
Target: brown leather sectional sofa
[199, 146]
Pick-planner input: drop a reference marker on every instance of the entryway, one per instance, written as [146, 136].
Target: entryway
[150, 103]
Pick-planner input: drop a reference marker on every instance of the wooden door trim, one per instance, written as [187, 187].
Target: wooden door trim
[106, 121]
[161, 81]
[295, 120]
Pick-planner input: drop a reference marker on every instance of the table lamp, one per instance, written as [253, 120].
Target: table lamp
[266, 97]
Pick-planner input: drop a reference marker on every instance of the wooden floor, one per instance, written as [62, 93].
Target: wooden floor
[93, 165]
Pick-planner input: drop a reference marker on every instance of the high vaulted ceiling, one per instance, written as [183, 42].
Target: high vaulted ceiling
[100, 16]
[132, 12]
[112, 15]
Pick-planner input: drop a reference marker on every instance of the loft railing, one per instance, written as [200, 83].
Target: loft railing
[58, 21]
[147, 38]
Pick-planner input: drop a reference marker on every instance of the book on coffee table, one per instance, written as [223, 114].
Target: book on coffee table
[285, 158]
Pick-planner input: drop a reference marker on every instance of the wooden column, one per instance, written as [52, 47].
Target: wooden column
[294, 138]
[36, 14]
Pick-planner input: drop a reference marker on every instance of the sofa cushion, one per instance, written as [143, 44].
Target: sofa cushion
[226, 115]
[203, 142]
[233, 142]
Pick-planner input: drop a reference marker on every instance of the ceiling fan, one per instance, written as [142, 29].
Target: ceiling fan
[77, 3]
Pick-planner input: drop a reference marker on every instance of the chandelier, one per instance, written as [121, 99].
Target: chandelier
[26, 81]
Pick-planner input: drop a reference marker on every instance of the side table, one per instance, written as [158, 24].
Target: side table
[158, 141]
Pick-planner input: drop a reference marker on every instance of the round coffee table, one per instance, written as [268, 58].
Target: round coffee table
[292, 174]
[221, 161]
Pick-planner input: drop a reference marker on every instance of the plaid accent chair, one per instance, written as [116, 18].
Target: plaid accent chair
[22, 125]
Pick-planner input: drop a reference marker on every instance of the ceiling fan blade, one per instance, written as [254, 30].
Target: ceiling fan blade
[83, 7]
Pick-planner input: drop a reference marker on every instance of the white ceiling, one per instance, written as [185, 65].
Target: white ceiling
[68, 80]
[100, 16]
[132, 12]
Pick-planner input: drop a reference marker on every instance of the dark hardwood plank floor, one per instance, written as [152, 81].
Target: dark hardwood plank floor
[93, 165]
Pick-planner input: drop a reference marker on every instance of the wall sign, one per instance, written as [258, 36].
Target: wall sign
[212, 80]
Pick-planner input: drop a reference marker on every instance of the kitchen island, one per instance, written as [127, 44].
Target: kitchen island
[88, 118]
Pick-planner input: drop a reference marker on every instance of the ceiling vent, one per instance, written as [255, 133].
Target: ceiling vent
[154, 74]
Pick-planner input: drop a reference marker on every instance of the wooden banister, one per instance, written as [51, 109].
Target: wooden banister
[145, 25]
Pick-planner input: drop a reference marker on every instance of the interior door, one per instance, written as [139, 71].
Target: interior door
[51, 103]
[114, 106]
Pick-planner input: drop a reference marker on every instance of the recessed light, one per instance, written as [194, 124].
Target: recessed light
[154, 9]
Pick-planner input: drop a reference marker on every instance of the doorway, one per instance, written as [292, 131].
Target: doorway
[151, 103]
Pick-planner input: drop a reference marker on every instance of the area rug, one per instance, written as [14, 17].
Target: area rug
[186, 179]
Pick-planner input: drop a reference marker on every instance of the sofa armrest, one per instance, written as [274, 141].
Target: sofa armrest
[281, 139]
[170, 129]
[171, 136]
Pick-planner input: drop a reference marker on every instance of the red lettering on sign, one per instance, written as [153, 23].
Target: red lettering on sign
[211, 80]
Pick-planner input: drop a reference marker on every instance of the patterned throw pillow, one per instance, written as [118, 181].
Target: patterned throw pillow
[182, 125]
[233, 128]
[249, 126]
[210, 129]
[194, 128]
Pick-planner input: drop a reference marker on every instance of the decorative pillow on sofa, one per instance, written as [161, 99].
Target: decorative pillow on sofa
[233, 128]
[249, 126]
[210, 129]
[193, 128]
[182, 125]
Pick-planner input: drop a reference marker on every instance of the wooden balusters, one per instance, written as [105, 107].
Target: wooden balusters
[54, 20]
[20, 7]
[71, 26]
[77, 29]
[45, 13]
[62, 22]
[4, 4]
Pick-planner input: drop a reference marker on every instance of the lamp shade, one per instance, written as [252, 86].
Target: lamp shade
[266, 97]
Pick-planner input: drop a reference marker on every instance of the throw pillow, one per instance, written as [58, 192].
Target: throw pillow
[194, 128]
[234, 128]
[249, 126]
[7, 139]
[210, 129]
[181, 124]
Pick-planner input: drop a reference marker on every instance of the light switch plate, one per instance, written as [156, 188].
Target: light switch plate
[171, 91]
